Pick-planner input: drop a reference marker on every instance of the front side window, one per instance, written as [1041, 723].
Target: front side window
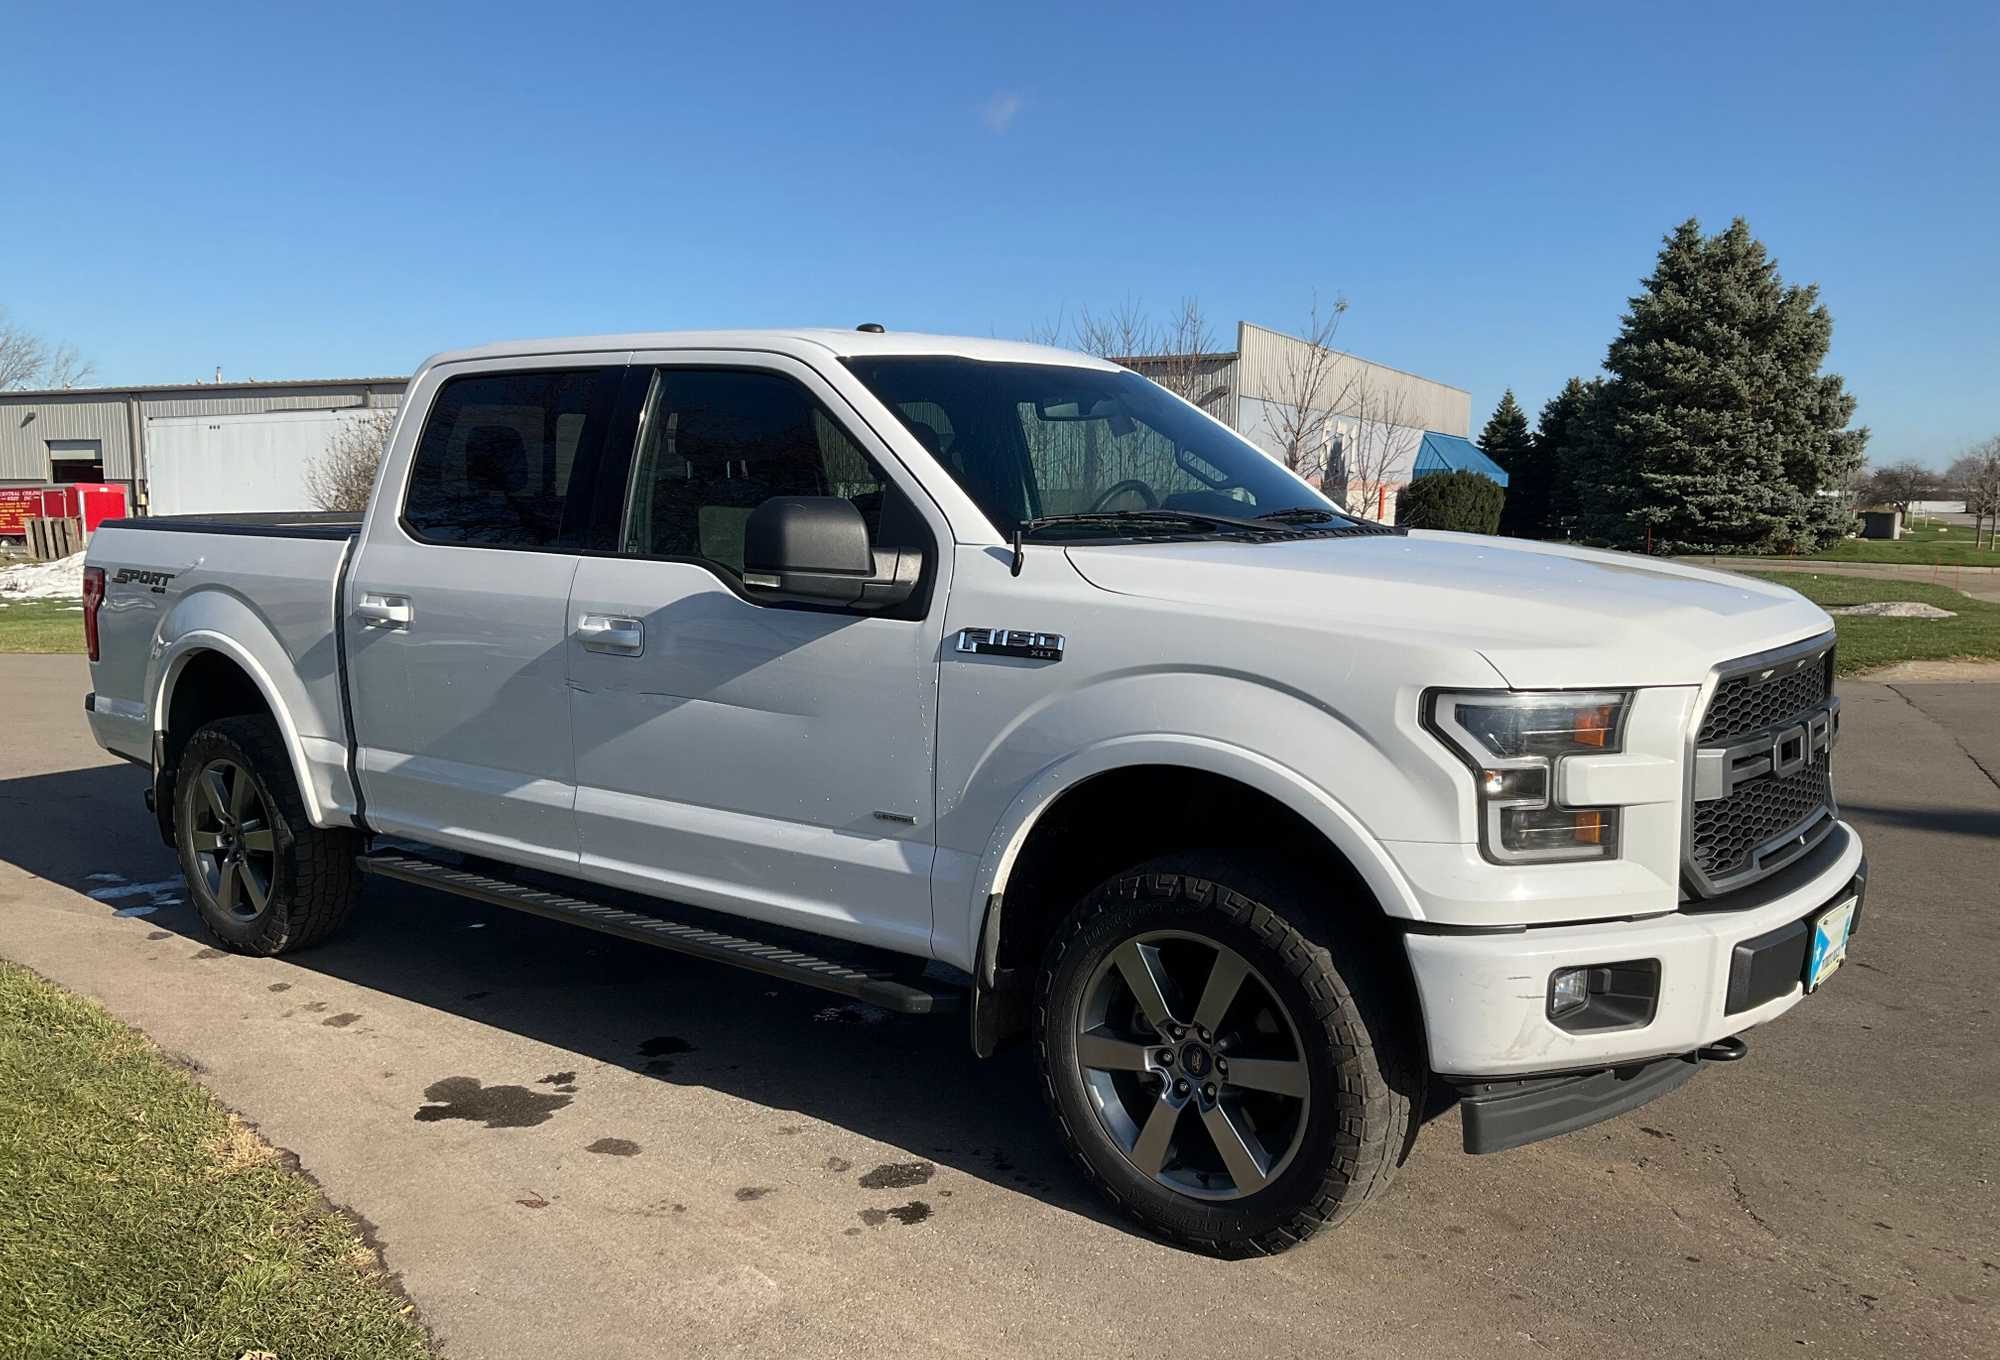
[494, 464]
[715, 444]
[1032, 442]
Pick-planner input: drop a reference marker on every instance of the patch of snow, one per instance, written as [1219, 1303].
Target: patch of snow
[135, 911]
[1895, 609]
[107, 878]
[59, 580]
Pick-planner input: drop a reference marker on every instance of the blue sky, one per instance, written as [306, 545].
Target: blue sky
[289, 195]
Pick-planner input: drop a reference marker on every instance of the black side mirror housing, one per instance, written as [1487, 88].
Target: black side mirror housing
[815, 550]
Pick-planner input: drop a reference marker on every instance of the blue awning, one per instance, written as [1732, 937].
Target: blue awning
[1449, 453]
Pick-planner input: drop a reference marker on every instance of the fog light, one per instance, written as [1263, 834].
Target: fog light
[1569, 988]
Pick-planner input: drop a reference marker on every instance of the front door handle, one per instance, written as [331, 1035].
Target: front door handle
[385, 611]
[610, 633]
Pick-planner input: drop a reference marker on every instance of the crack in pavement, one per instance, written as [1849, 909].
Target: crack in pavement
[1966, 751]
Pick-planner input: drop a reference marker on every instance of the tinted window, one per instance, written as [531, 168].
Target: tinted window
[715, 444]
[496, 457]
[1027, 440]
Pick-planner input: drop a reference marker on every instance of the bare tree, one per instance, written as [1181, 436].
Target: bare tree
[1899, 484]
[1178, 352]
[1312, 387]
[1373, 446]
[343, 476]
[29, 361]
[1976, 476]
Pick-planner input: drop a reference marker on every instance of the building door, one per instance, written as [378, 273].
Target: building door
[76, 460]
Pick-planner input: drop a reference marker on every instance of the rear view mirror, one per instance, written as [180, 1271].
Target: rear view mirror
[815, 549]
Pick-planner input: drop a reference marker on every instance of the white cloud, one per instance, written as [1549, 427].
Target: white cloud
[1001, 110]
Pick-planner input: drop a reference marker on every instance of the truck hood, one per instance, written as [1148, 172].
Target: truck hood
[1544, 615]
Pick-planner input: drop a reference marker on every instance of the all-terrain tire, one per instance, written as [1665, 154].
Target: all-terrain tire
[1343, 998]
[312, 880]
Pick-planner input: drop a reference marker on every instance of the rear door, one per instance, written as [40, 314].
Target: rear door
[770, 760]
[455, 609]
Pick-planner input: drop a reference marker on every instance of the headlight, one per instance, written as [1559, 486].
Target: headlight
[1515, 743]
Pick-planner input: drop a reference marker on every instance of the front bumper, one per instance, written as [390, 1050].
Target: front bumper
[1485, 993]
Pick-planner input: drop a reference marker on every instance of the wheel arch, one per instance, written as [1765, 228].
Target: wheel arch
[205, 675]
[1180, 792]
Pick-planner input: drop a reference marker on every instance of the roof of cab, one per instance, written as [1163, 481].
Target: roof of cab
[840, 343]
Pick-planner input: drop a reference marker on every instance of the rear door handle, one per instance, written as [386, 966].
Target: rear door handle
[611, 633]
[386, 611]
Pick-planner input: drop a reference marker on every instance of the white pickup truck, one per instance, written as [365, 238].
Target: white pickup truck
[955, 673]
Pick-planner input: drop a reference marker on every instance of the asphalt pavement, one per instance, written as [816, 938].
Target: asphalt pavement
[567, 1145]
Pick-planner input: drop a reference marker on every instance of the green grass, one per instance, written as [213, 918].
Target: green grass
[1923, 545]
[1868, 643]
[40, 626]
[137, 1218]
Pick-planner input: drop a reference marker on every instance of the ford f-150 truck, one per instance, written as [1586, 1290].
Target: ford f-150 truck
[963, 674]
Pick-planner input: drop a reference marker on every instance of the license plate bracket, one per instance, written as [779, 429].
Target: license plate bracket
[1830, 932]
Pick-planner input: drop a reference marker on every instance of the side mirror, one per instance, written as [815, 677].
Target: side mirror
[815, 549]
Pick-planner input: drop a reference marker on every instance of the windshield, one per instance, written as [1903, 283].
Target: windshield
[1033, 442]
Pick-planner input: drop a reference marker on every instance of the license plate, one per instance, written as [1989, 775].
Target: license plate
[1829, 942]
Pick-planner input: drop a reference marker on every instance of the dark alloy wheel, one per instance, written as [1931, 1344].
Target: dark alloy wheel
[1192, 1066]
[264, 879]
[234, 848]
[1225, 1046]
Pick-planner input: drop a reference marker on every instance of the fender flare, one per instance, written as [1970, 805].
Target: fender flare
[173, 661]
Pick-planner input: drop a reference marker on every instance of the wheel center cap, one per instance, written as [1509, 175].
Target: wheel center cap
[1196, 1060]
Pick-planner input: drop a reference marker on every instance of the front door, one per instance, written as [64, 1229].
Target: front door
[767, 760]
[456, 616]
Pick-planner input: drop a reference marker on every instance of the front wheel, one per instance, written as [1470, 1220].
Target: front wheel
[1224, 1075]
[263, 878]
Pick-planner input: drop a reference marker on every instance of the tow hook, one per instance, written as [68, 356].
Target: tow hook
[1724, 1050]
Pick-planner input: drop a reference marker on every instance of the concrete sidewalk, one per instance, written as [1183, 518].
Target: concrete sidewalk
[570, 1146]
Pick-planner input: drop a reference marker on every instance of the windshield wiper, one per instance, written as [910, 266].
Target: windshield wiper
[1166, 520]
[1303, 514]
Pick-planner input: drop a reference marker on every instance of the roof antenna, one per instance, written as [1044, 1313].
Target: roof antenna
[1019, 556]
[872, 327]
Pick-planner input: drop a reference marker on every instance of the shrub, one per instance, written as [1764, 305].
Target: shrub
[1468, 502]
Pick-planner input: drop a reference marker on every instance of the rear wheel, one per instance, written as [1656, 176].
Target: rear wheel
[264, 879]
[1229, 1079]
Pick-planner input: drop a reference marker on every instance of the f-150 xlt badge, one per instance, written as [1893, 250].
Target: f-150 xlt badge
[1021, 642]
[157, 580]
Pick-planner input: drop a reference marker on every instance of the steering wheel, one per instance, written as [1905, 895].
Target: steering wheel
[1133, 484]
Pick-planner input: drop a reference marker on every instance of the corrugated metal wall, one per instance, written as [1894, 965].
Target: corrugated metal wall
[30, 420]
[1420, 403]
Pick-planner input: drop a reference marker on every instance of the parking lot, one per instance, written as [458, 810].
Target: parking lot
[566, 1145]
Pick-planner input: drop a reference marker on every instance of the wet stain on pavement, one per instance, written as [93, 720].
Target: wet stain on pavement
[316, 1006]
[497, 1107]
[660, 1052]
[208, 954]
[536, 1202]
[558, 1079]
[615, 1147]
[838, 1164]
[279, 987]
[897, 1176]
[753, 1192]
[159, 934]
[916, 1211]
[341, 1021]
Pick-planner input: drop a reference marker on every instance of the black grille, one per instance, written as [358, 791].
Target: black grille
[1746, 704]
[1727, 830]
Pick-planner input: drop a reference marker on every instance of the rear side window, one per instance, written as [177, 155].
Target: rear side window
[717, 443]
[499, 452]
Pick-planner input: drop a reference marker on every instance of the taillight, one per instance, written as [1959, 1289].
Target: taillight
[93, 597]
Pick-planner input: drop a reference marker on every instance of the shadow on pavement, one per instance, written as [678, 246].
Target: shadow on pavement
[911, 1082]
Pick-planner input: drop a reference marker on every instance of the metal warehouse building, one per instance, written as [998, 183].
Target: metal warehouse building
[154, 440]
[1375, 423]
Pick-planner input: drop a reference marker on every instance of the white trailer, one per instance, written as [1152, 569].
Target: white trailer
[231, 463]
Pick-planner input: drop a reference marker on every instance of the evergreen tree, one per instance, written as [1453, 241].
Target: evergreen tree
[1716, 431]
[1565, 448]
[1507, 442]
